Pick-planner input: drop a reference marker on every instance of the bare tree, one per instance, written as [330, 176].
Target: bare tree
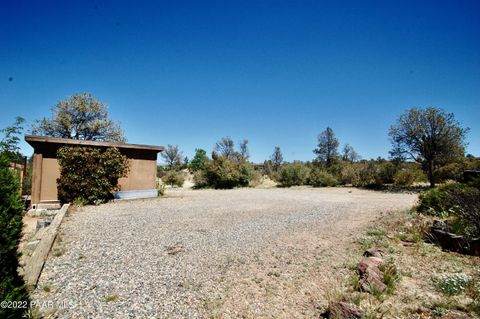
[276, 157]
[225, 147]
[327, 148]
[244, 149]
[429, 136]
[349, 154]
[172, 156]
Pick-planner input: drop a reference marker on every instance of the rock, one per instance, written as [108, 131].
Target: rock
[439, 224]
[369, 262]
[373, 281]
[342, 310]
[371, 277]
[175, 249]
[42, 223]
[449, 241]
[375, 252]
[31, 245]
[475, 247]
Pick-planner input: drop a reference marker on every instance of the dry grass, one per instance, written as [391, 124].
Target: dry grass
[412, 272]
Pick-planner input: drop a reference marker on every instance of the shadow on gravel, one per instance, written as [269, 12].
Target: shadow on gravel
[390, 188]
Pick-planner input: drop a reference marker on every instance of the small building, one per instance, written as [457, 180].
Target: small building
[140, 182]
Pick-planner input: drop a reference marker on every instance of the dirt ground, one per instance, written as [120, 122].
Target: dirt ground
[244, 253]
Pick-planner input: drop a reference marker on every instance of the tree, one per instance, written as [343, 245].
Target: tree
[429, 136]
[80, 117]
[327, 148]
[225, 147]
[11, 213]
[199, 160]
[276, 157]
[244, 149]
[11, 137]
[349, 154]
[172, 156]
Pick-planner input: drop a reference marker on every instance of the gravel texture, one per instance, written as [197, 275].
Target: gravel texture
[208, 253]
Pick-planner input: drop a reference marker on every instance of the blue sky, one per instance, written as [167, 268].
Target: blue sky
[274, 72]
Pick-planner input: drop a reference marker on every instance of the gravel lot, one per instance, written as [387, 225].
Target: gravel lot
[267, 253]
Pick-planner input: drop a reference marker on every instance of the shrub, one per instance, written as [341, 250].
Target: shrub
[200, 179]
[174, 178]
[293, 174]
[89, 174]
[367, 174]
[453, 284]
[350, 175]
[385, 172]
[457, 200]
[407, 177]
[254, 177]
[441, 200]
[225, 172]
[11, 212]
[321, 178]
[452, 171]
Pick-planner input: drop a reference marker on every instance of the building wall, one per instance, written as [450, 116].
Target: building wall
[142, 174]
[50, 174]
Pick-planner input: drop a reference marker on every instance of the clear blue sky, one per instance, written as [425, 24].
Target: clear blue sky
[274, 72]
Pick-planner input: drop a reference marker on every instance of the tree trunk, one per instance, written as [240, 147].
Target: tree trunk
[431, 178]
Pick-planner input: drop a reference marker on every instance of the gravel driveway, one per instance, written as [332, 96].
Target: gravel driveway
[208, 254]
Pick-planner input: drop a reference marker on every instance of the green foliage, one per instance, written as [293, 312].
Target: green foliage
[200, 179]
[80, 117]
[293, 174]
[349, 174]
[174, 178]
[89, 174]
[199, 161]
[11, 137]
[327, 148]
[368, 174]
[11, 213]
[440, 200]
[453, 284]
[160, 171]
[223, 173]
[429, 136]
[79, 202]
[452, 171]
[407, 177]
[321, 178]
[457, 200]
[391, 274]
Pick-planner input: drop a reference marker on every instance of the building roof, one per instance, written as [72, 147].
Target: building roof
[35, 141]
